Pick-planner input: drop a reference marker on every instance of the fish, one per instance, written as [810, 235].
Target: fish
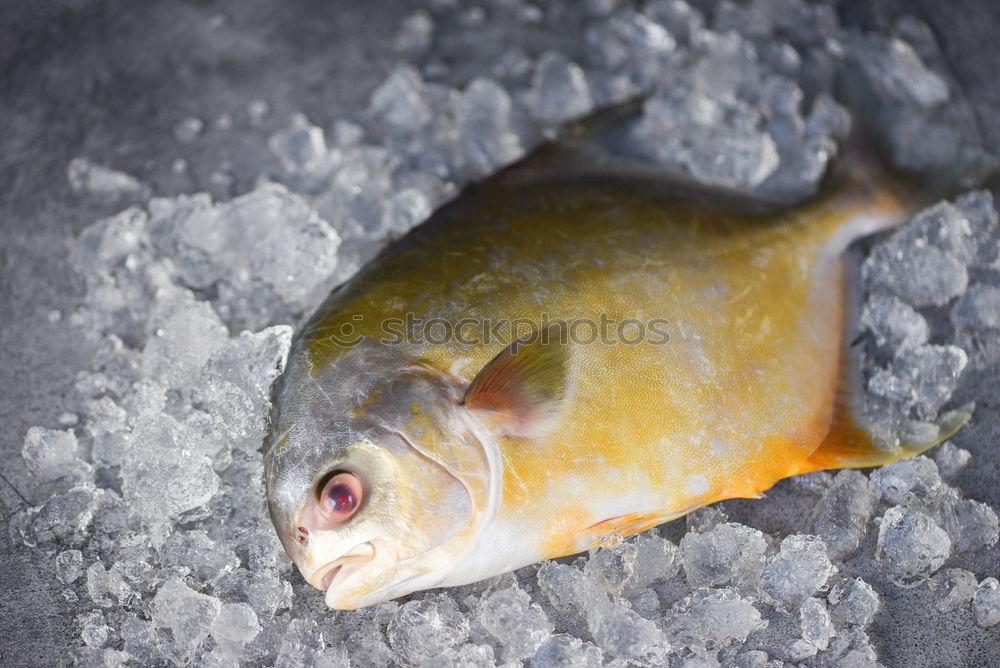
[575, 349]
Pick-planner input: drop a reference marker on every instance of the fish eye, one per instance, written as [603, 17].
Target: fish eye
[340, 495]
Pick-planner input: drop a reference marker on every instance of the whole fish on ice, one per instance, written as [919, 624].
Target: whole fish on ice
[399, 462]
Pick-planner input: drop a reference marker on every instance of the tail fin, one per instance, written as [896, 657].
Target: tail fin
[879, 199]
[849, 446]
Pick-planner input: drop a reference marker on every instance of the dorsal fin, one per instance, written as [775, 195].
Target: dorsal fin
[521, 389]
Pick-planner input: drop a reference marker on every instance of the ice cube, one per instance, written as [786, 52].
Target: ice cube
[147, 397]
[922, 379]
[67, 515]
[907, 480]
[69, 566]
[946, 226]
[185, 335]
[910, 546]
[518, 624]
[951, 459]
[646, 602]
[953, 588]
[68, 419]
[188, 129]
[166, 475]
[483, 124]
[841, 515]
[894, 323]
[301, 148]
[468, 655]
[978, 308]
[727, 554]
[301, 645]
[678, 17]
[564, 651]
[972, 525]
[400, 103]
[828, 118]
[933, 373]
[141, 641]
[708, 660]
[559, 89]
[623, 633]
[717, 141]
[253, 360]
[924, 262]
[978, 209]
[188, 615]
[266, 592]
[108, 588]
[108, 242]
[406, 209]
[655, 559]
[347, 134]
[815, 623]
[199, 554]
[705, 518]
[267, 237]
[423, 629]
[800, 569]
[644, 37]
[94, 630]
[49, 453]
[919, 275]
[88, 177]
[853, 603]
[849, 649]
[899, 74]
[986, 604]
[612, 566]
[712, 619]
[570, 591]
[753, 658]
[799, 649]
[134, 569]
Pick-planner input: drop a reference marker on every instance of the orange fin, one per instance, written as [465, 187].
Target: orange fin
[621, 526]
[522, 388]
[849, 442]
[848, 445]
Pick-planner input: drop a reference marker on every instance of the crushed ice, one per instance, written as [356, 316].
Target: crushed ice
[155, 520]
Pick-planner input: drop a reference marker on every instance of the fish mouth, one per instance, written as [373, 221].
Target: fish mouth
[329, 577]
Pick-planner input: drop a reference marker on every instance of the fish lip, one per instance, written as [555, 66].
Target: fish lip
[329, 576]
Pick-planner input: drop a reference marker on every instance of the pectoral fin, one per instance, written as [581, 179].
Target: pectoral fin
[519, 392]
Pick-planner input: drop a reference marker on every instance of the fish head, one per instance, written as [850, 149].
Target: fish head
[378, 482]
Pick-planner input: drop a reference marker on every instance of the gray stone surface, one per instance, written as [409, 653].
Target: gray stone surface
[110, 80]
